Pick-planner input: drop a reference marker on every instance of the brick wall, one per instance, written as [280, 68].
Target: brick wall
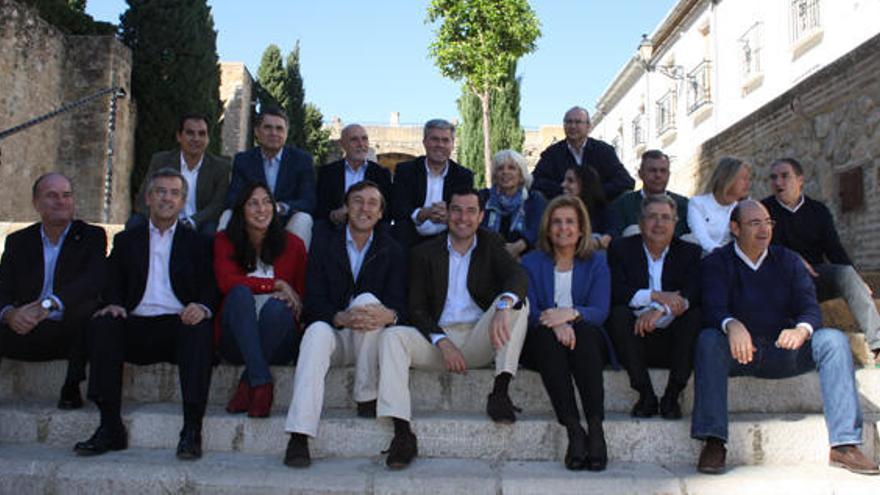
[41, 68]
[829, 122]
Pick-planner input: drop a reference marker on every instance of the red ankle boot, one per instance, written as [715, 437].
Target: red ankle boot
[261, 401]
[241, 401]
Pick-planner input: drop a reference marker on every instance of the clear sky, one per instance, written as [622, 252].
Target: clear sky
[362, 60]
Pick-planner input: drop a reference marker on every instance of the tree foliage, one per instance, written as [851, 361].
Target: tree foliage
[505, 133]
[282, 85]
[174, 71]
[477, 41]
[70, 17]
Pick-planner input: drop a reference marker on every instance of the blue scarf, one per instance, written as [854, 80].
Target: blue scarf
[500, 206]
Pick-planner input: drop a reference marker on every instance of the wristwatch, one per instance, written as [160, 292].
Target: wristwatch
[502, 304]
[48, 304]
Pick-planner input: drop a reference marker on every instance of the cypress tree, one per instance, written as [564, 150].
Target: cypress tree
[271, 78]
[505, 132]
[317, 138]
[295, 108]
[174, 71]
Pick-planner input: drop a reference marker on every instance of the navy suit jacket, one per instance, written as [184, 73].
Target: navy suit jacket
[190, 268]
[295, 186]
[409, 190]
[331, 187]
[629, 269]
[556, 159]
[79, 270]
[331, 284]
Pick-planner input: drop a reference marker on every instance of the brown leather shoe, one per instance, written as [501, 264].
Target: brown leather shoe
[712, 456]
[241, 401]
[849, 457]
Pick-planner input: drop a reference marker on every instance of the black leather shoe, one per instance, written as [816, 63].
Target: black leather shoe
[366, 409]
[712, 457]
[646, 406]
[70, 397]
[404, 448]
[297, 454]
[501, 409]
[103, 440]
[669, 407]
[190, 446]
[576, 453]
[597, 451]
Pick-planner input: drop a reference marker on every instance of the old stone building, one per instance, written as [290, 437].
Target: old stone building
[41, 69]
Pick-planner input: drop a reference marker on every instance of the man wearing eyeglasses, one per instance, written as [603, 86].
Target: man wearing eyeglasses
[580, 150]
[805, 226]
[655, 314]
[159, 293]
[759, 304]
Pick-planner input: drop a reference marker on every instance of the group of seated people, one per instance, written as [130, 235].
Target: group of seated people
[564, 270]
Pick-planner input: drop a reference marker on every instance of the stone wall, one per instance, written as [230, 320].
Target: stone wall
[829, 122]
[41, 69]
[236, 92]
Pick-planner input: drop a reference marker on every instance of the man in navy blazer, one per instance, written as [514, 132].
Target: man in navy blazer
[335, 179]
[422, 186]
[159, 296]
[289, 173]
[655, 315]
[49, 279]
[356, 288]
[762, 318]
[576, 150]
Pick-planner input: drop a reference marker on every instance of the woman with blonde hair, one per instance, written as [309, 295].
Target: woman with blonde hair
[708, 214]
[512, 210]
[569, 296]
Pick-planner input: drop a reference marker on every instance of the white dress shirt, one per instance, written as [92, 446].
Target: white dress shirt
[192, 180]
[433, 194]
[355, 255]
[577, 153]
[353, 176]
[562, 289]
[159, 298]
[709, 221]
[641, 301]
[270, 168]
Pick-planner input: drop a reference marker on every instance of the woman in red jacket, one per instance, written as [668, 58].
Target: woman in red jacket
[260, 270]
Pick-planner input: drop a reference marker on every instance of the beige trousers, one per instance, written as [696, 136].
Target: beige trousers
[300, 225]
[403, 347]
[324, 346]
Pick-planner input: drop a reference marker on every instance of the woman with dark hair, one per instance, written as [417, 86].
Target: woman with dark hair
[260, 270]
[569, 296]
[583, 182]
[512, 209]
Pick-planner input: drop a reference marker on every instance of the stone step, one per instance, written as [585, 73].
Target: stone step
[754, 438]
[435, 391]
[38, 469]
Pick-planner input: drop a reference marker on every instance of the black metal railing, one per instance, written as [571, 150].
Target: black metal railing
[699, 90]
[804, 18]
[666, 112]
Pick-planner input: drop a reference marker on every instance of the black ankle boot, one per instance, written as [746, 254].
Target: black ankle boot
[597, 452]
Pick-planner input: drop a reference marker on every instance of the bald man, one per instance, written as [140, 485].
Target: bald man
[334, 179]
[49, 279]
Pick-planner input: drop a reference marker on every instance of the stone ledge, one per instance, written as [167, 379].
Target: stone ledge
[156, 471]
[754, 438]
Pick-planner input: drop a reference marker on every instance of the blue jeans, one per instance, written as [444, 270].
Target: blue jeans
[828, 350]
[255, 341]
[843, 281]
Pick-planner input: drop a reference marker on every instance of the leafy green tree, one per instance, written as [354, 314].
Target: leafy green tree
[272, 78]
[174, 71]
[505, 133]
[77, 5]
[317, 138]
[477, 41]
[295, 108]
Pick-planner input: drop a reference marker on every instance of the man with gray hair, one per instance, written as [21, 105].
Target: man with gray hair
[577, 150]
[423, 186]
[49, 278]
[655, 314]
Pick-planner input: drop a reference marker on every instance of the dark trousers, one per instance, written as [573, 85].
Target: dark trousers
[671, 348]
[48, 341]
[148, 340]
[558, 365]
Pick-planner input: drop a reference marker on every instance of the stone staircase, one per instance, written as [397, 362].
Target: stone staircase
[778, 440]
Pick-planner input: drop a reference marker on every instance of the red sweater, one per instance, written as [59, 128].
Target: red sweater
[290, 267]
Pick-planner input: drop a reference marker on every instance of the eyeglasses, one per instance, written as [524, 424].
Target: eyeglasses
[660, 218]
[760, 223]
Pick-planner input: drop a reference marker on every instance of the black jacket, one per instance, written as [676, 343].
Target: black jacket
[331, 186]
[556, 159]
[629, 269]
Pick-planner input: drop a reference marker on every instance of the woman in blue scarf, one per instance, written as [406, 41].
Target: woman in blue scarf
[511, 209]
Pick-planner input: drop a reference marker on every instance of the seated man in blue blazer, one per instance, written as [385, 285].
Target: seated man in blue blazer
[159, 292]
[655, 296]
[288, 171]
[422, 186]
[356, 288]
[759, 304]
[335, 179]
